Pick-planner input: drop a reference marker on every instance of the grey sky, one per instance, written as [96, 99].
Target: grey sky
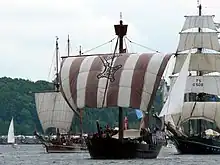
[28, 28]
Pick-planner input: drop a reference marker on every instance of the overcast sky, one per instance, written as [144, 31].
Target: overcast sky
[28, 29]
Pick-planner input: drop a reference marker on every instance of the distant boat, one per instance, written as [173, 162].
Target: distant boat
[11, 135]
[54, 112]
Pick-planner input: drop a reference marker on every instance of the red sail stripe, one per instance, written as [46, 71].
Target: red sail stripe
[92, 83]
[73, 74]
[138, 80]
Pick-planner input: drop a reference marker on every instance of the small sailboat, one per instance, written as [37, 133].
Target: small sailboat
[11, 135]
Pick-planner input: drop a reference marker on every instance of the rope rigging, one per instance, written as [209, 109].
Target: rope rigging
[126, 38]
[99, 46]
[142, 45]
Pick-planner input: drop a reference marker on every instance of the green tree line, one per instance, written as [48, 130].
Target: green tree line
[17, 101]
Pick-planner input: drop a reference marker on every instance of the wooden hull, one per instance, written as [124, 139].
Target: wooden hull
[55, 148]
[196, 145]
[51, 148]
[110, 148]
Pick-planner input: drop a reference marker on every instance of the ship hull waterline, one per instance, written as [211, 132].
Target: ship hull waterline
[111, 148]
[56, 148]
[64, 149]
[199, 146]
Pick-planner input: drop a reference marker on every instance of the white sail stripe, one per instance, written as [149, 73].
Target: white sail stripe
[65, 81]
[204, 21]
[199, 62]
[101, 92]
[105, 102]
[150, 79]
[82, 80]
[53, 111]
[125, 81]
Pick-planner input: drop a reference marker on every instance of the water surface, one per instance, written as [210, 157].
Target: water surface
[35, 155]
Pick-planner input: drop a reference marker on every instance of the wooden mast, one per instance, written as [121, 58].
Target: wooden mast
[68, 46]
[57, 69]
[80, 50]
[199, 73]
[57, 84]
[121, 31]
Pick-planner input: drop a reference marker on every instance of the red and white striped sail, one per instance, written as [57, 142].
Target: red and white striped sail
[133, 81]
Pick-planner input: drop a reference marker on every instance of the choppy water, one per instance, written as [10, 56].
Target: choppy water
[35, 155]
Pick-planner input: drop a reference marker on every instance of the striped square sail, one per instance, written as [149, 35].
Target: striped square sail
[132, 82]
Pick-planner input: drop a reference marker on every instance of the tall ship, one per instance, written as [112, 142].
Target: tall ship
[54, 112]
[118, 79]
[192, 107]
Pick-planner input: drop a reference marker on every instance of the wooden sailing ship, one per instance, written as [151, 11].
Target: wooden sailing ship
[123, 80]
[54, 112]
[192, 105]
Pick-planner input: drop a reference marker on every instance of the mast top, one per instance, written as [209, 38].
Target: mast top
[121, 22]
[200, 7]
[68, 46]
[121, 29]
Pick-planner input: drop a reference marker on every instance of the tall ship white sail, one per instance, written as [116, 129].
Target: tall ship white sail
[194, 88]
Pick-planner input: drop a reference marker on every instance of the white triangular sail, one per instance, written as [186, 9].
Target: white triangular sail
[175, 99]
[11, 136]
[53, 111]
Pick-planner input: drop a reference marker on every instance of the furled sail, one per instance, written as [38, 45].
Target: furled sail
[199, 62]
[209, 111]
[203, 21]
[132, 80]
[53, 111]
[201, 84]
[207, 40]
